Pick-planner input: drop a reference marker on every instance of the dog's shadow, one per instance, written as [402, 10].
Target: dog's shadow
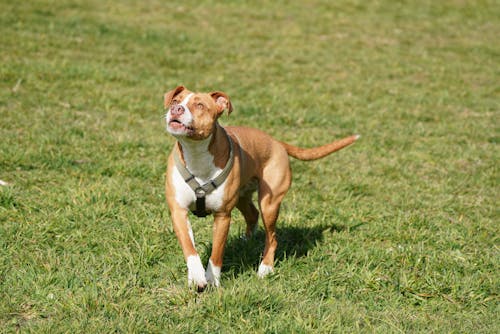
[243, 255]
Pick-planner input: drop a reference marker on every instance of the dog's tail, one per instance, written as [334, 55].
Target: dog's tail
[318, 152]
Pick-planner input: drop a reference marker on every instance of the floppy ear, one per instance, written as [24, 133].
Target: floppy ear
[222, 101]
[167, 99]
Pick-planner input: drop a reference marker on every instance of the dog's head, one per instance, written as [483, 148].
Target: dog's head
[194, 115]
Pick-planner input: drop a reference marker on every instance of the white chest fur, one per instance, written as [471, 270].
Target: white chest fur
[186, 197]
[200, 163]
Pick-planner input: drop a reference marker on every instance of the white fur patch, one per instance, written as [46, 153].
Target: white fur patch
[198, 159]
[213, 274]
[214, 199]
[196, 272]
[200, 162]
[186, 100]
[264, 270]
[184, 195]
[186, 118]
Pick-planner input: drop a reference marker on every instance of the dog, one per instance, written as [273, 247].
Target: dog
[213, 169]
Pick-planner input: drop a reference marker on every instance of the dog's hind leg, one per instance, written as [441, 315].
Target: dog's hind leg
[250, 213]
[272, 189]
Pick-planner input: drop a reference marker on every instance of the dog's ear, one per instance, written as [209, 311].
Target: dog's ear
[222, 101]
[169, 96]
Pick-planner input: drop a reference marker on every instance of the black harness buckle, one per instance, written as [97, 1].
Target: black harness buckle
[201, 210]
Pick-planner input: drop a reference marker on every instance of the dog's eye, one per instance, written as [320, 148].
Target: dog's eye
[174, 102]
[200, 106]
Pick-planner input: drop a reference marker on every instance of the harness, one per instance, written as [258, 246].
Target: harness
[201, 191]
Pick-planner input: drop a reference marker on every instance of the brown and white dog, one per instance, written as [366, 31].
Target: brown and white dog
[204, 150]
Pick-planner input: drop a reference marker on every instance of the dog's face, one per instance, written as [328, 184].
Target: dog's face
[193, 115]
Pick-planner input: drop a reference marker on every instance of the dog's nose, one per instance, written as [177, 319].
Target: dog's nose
[177, 110]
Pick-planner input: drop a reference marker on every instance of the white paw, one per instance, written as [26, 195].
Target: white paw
[196, 272]
[213, 274]
[264, 270]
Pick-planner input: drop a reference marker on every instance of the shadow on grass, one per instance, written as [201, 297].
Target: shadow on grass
[243, 255]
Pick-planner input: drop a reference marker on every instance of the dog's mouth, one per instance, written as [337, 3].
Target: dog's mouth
[178, 126]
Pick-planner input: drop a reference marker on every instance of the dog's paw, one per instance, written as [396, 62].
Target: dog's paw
[196, 273]
[213, 274]
[264, 270]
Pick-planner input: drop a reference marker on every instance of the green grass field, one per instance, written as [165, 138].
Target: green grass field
[396, 234]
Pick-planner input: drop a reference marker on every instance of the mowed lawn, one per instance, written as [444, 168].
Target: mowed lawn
[395, 234]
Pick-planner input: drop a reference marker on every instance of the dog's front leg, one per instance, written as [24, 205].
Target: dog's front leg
[220, 231]
[184, 233]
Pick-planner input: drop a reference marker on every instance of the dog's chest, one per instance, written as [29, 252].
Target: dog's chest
[186, 197]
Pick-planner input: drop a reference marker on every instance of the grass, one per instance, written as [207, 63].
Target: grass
[398, 233]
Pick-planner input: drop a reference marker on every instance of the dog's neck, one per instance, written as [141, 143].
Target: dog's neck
[207, 157]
